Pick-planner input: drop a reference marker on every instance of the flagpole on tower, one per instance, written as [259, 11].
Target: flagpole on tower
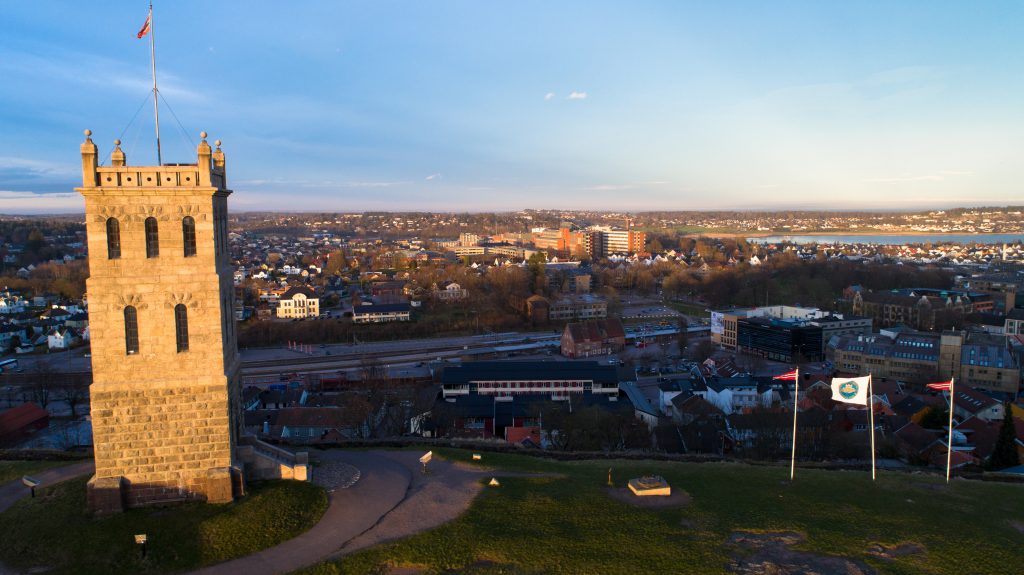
[949, 446]
[148, 28]
[796, 395]
[871, 415]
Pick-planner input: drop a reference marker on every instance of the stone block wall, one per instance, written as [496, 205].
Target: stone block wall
[163, 440]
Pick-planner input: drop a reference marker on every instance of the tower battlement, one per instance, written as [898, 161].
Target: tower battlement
[208, 171]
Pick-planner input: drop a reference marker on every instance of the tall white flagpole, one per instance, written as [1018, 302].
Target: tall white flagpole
[796, 395]
[949, 446]
[156, 106]
[871, 414]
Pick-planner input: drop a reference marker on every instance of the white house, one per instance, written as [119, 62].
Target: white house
[298, 302]
[451, 292]
[731, 394]
[61, 338]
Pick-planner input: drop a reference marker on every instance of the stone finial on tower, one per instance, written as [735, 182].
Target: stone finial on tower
[204, 161]
[117, 156]
[218, 163]
[88, 161]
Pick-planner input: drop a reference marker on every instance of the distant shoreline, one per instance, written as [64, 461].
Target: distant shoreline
[855, 233]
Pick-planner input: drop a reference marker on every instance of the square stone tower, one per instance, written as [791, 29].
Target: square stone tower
[166, 412]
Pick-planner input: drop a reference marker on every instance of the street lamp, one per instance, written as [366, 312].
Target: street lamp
[140, 539]
[31, 483]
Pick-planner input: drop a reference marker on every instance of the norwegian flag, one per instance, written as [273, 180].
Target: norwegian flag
[789, 376]
[146, 26]
[941, 386]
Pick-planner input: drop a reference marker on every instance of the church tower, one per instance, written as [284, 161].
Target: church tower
[166, 412]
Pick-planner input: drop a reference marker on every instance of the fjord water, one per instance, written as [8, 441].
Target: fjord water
[898, 239]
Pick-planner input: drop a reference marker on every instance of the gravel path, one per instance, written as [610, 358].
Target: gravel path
[336, 475]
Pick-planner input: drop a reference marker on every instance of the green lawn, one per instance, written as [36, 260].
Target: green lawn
[54, 530]
[10, 470]
[690, 309]
[570, 525]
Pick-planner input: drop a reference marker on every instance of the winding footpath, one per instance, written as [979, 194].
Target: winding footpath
[12, 491]
[374, 497]
[382, 485]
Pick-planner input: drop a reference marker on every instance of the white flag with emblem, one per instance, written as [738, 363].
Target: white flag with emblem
[850, 389]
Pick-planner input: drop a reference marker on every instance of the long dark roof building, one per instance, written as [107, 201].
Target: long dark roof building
[520, 377]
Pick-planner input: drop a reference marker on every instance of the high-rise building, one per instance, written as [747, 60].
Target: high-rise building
[165, 392]
[624, 242]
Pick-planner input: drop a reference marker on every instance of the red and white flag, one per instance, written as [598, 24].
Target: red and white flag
[145, 27]
[941, 386]
[788, 376]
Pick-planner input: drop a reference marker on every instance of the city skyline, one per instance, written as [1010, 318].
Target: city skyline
[462, 107]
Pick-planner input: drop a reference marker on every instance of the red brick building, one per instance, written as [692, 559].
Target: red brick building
[590, 338]
[18, 422]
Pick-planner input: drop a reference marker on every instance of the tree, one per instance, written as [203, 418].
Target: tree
[683, 337]
[73, 393]
[43, 386]
[704, 350]
[1005, 453]
[537, 264]
[934, 418]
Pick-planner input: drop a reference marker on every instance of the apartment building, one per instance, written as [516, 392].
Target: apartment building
[919, 308]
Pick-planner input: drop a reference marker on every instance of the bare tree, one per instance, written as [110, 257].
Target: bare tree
[704, 350]
[43, 387]
[73, 393]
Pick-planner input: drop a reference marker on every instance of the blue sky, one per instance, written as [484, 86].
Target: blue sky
[470, 106]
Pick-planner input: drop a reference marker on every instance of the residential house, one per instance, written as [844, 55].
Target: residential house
[450, 292]
[970, 402]
[61, 338]
[733, 394]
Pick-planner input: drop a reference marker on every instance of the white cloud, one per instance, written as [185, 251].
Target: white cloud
[432, 177]
[549, 95]
[940, 176]
[574, 95]
[372, 184]
[609, 187]
[35, 203]
[85, 68]
[34, 167]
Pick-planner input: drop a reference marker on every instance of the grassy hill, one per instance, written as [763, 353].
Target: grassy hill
[54, 533]
[570, 524]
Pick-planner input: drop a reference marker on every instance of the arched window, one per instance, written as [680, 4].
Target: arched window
[131, 330]
[188, 235]
[152, 239]
[181, 326]
[113, 239]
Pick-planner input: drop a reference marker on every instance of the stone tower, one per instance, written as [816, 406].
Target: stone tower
[165, 394]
